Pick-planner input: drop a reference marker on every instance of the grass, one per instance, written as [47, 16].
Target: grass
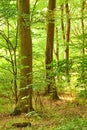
[73, 124]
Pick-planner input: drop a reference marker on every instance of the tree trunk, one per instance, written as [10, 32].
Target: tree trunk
[62, 23]
[56, 51]
[49, 49]
[83, 39]
[25, 93]
[67, 40]
[66, 35]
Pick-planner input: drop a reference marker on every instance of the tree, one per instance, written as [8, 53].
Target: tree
[66, 34]
[10, 44]
[67, 39]
[25, 92]
[83, 33]
[49, 48]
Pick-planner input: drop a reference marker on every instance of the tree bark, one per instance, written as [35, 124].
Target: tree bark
[66, 34]
[25, 92]
[67, 40]
[50, 42]
[83, 39]
[82, 22]
[49, 49]
[62, 23]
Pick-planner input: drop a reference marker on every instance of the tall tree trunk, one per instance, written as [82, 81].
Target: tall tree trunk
[67, 40]
[62, 23]
[83, 39]
[49, 48]
[50, 42]
[82, 22]
[66, 34]
[25, 92]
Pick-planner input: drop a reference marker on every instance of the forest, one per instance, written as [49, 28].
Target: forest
[43, 65]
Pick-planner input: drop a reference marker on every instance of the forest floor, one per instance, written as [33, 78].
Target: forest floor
[63, 114]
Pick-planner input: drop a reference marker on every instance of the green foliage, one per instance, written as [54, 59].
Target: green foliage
[74, 124]
[62, 2]
[77, 64]
[62, 65]
[83, 94]
[8, 8]
[39, 80]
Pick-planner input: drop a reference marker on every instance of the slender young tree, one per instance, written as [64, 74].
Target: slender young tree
[67, 39]
[25, 92]
[62, 23]
[10, 45]
[83, 25]
[83, 32]
[66, 34]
